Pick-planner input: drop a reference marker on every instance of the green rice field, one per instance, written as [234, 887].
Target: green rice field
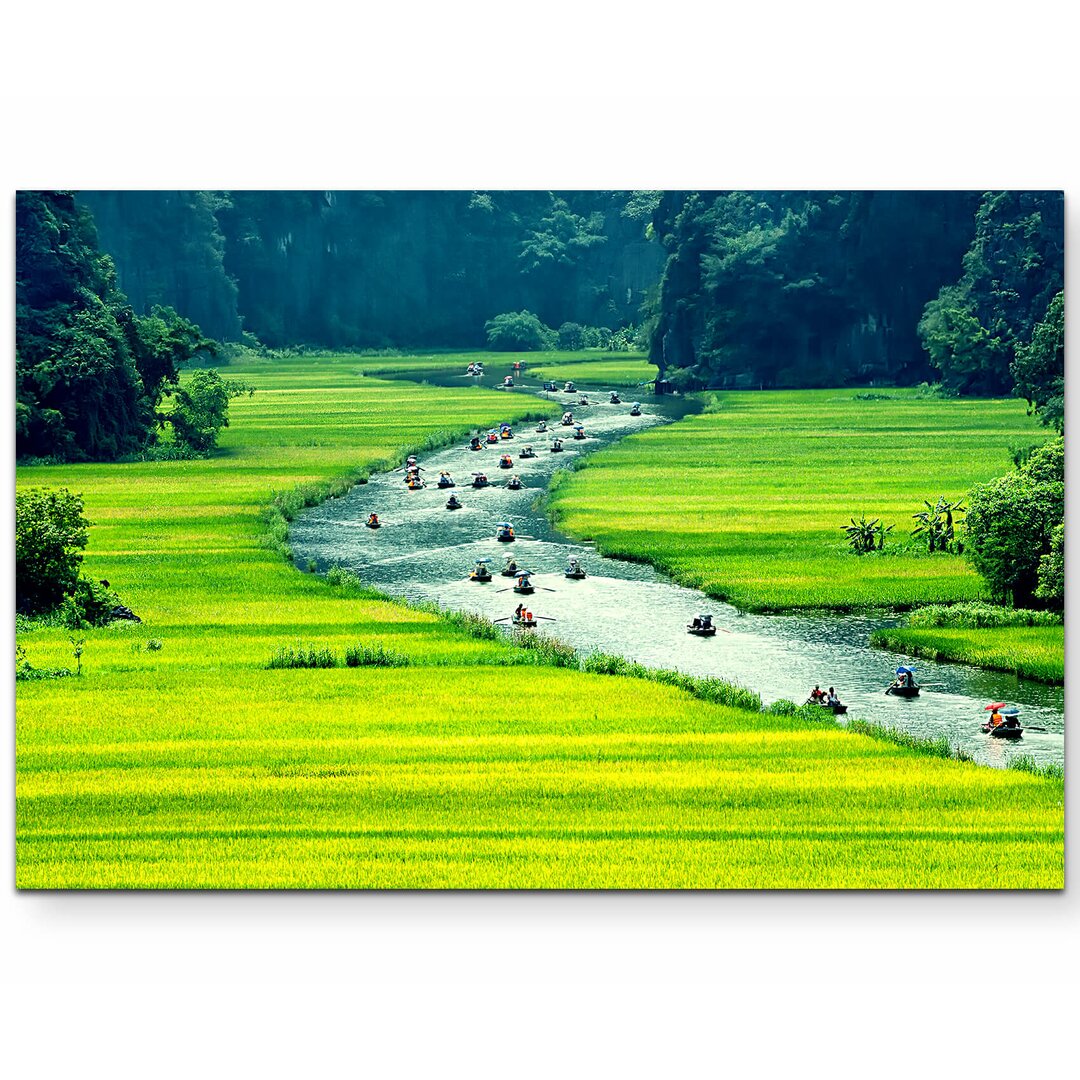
[179, 760]
[747, 500]
[598, 368]
[1032, 652]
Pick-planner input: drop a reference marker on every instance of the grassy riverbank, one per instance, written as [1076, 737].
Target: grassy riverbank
[191, 764]
[747, 500]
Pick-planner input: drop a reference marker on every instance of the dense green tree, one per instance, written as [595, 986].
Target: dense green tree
[571, 336]
[88, 371]
[1011, 523]
[200, 410]
[1039, 366]
[50, 533]
[1011, 271]
[519, 331]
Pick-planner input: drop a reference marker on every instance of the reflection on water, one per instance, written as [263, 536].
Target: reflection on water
[424, 552]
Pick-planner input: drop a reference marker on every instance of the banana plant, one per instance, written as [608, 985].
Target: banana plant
[937, 524]
[866, 536]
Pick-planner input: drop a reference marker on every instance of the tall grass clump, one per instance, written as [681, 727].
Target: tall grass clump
[939, 747]
[376, 655]
[977, 616]
[1052, 770]
[717, 691]
[303, 656]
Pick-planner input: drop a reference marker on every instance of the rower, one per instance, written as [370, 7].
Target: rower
[373, 521]
[474, 443]
[453, 503]
[817, 694]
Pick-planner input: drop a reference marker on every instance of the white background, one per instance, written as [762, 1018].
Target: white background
[632, 95]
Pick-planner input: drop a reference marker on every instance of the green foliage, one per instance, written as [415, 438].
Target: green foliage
[1051, 587]
[1011, 521]
[937, 525]
[88, 370]
[772, 288]
[201, 409]
[571, 336]
[26, 672]
[519, 331]
[1013, 268]
[50, 533]
[865, 536]
[1039, 366]
[1025, 763]
[89, 603]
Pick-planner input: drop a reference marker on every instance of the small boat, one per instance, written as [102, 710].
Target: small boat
[480, 480]
[550, 387]
[510, 569]
[614, 399]
[446, 480]
[523, 586]
[567, 419]
[556, 446]
[480, 572]
[905, 685]
[523, 622]
[453, 504]
[575, 571]
[505, 432]
[514, 483]
[700, 631]
[542, 426]
[416, 485]
[583, 400]
[635, 409]
[568, 388]
[373, 522]
[1008, 728]
[475, 443]
[579, 431]
[508, 381]
[492, 438]
[506, 462]
[504, 532]
[836, 709]
[528, 452]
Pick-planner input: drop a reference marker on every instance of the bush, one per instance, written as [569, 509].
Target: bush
[340, 578]
[90, 603]
[50, 533]
[360, 655]
[519, 331]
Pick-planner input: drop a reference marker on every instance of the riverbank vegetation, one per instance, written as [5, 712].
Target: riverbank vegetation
[749, 500]
[177, 758]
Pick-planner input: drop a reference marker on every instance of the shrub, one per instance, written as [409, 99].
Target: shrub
[50, 533]
[519, 331]
[90, 603]
[571, 336]
[340, 578]
[976, 616]
[377, 655]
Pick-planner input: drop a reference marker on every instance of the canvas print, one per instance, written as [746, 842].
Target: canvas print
[698, 539]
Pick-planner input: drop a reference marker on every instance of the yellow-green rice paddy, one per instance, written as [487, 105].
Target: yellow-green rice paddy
[194, 766]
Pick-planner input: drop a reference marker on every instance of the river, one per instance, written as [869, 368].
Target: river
[424, 552]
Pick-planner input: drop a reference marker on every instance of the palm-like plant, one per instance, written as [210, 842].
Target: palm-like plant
[937, 524]
[866, 536]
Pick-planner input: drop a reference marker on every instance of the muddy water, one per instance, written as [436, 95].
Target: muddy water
[425, 551]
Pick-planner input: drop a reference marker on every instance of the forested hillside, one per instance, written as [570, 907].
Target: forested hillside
[373, 269]
[787, 288]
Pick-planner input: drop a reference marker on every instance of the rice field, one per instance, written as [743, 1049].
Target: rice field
[747, 500]
[599, 368]
[1032, 652]
[180, 759]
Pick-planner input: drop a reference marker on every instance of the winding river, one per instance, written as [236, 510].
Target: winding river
[424, 552]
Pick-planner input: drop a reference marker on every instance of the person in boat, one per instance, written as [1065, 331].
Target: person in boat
[832, 699]
[556, 445]
[519, 611]
[567, 418]
[635, 409]
[817, 695]
[373, 521]
[996, 719]
[508, 381]
[492, 437]
[474, 443]
[542, 426]
[514, 482]
[706, 622]
[445, 479]
[511, 565]
[615, 399]
[527, 452]
[452, 503]
[568, 388]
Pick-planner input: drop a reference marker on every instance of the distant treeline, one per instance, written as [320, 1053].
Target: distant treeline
[371, 269]
[825, 288]
[115, 291]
